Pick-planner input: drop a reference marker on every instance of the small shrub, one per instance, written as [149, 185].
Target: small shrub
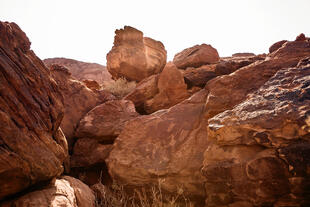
[119, 88]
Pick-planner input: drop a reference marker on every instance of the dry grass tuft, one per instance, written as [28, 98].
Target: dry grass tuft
[116, 196]
[119, 88]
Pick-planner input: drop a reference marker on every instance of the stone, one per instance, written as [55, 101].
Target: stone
[78, 100]
[167, 145]
[199, 76]
[196, 56]
[65, 191]
[106, 121]
[243, 54]
[88, 152]
[276, 46]
[82, 70]
[135, 57]
[159, 92]
[92, 84]
[260, 149]
[32, 145]
[224, 92]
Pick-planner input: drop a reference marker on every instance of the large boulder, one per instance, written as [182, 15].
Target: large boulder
[199, 76]
[65, 192]
[276, 46]
[196, 56]
[82, 70]
[166, 145]
[106, 121]
[261, 148]
[229, 90]
[159, 92]
[135, 57]
[78, 100]
[32, 146]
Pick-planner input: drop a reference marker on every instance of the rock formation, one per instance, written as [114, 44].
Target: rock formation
[106, 121]
[261, 148]
[66, 191]
[78, 100]
[135, 57]
[82, 70]
[159, 91]
[168, 144]
[196, 56]
[32, 146]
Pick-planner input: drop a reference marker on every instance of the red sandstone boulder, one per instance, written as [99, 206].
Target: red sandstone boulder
[227, 91]
[196, 56]
[199, 76]
[106, 121]
[88, 161]
[65, 192]
[276, 46]
[82, 70]
[261, 148]
[159, 92]
[135, 57]
[32, 146]
[77, 97]
[243, 54]
[167, 144]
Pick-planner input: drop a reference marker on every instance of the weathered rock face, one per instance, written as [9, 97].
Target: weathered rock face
[248, 79]
[196, 56]
[77, 97]
[135, 57]
[167, 144]
[66, 192]
[88, 161]
[261, 148]
[82, 70]
[159, 92]
[199, 76]
[32, 147]
[243, 54]
[276, 46]
[92, 84]
[106, 121]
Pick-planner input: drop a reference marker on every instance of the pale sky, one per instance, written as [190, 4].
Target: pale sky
[84, 30]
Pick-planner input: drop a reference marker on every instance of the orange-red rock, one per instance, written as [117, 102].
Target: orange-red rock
[227, 91]
[199, 76]
[32, 146]
[106, 121]
[135, 57]
[196, 56]
[261, 148]
[160, 92]
[276, 46]
[78, 100]
[92, 84]
[82, 70]
[65, 192]
[167, 144]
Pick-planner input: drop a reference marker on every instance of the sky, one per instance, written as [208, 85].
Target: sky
[84, 30]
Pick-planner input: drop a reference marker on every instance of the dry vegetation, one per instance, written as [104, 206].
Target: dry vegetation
[116, 196]
[119, 88]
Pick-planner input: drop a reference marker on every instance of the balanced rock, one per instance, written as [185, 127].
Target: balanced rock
[32, 146]
[78, 100]
[135, 57]
[261, 148]
[196, 56]
[65, 191]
